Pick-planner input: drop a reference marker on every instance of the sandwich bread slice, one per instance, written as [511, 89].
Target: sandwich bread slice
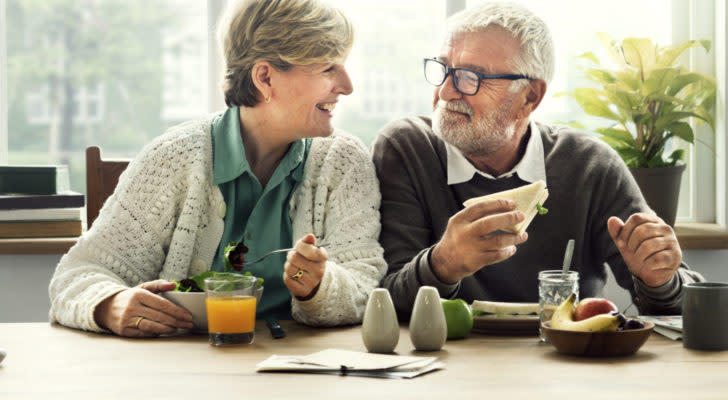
[494, 307]
[528, 199]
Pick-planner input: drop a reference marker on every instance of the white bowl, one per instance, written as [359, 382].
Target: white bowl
[194, 302]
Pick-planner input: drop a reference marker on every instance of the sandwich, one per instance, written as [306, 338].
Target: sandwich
[500, 309]
[529, 200]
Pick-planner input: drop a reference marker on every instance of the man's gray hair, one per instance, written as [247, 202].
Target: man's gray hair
[536, 57]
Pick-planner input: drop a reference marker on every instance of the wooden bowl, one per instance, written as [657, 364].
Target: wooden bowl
[598, 344]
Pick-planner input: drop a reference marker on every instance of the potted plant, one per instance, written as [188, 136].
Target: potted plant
[649, 99]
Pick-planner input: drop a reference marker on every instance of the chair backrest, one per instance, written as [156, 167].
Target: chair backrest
[101, 179]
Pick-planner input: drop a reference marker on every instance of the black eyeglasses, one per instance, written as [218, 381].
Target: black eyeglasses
[466, 80]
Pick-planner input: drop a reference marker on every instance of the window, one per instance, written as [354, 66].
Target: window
[119, 72]
[114, 73]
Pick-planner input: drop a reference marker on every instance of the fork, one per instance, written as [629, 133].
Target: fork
[246, 263]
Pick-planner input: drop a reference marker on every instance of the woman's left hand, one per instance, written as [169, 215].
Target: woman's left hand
[304, 268]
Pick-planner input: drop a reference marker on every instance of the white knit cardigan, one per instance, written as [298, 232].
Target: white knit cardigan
[165, 221]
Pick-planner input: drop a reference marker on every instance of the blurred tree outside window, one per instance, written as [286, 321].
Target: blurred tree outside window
[112, 73]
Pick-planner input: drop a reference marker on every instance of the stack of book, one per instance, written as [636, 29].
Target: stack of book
[35, 201]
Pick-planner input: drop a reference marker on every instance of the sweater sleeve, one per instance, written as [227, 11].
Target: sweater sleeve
[407, 235]
[146, 229]
[118, 251]
[344, 202]
[621, 197]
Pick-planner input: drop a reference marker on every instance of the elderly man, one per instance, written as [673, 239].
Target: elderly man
[490, 75]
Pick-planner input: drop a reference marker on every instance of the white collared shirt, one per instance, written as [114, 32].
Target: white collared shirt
[531, 168]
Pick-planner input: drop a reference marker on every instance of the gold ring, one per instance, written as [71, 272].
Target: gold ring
[138, 321]
[297, 275]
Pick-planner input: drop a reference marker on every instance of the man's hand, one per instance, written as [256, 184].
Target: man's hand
[649, 247]
[469, 242]
[138, 311]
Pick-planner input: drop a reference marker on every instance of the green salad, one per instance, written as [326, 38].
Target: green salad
[196, 283]
[234, 259]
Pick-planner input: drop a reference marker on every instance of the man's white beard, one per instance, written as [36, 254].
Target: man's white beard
[481, 137]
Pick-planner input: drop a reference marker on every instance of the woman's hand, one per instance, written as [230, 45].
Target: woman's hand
[304, 268]
[138, 311]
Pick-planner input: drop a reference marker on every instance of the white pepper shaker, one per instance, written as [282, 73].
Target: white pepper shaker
[380, 328]
[428, 328]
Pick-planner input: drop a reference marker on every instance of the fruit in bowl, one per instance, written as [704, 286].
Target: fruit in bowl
[592, 306]
[190, 295]
[600, 335]
[598, 344]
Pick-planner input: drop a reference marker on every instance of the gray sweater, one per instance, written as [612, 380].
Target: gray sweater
[587, 183]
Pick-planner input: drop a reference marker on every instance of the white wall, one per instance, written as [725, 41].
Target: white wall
[24, 282]
[24, 287]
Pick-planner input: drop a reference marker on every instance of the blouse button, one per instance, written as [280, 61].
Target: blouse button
[198, 266]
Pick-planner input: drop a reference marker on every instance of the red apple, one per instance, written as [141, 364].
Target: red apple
[592, 306]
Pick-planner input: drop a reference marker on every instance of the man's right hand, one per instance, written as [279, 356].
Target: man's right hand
[469, 242]
[138, 311]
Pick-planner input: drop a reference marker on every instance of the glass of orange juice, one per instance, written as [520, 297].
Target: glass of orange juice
[230, 307]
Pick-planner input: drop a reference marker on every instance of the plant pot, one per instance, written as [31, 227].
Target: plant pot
[660, 188]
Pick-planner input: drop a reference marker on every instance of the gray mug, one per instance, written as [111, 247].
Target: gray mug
[705, 316]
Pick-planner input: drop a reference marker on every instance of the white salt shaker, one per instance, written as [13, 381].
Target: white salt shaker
[428, 328]
[380, 328]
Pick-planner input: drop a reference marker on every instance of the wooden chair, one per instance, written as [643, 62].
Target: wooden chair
[101, 179]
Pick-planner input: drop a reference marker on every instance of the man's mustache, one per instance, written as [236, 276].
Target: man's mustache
[456, 106]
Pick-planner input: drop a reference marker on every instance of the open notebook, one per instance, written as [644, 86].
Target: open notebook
[354, 363]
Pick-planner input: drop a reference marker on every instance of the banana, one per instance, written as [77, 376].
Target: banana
[563, 318]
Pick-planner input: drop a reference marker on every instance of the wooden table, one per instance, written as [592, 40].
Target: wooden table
[47, 361]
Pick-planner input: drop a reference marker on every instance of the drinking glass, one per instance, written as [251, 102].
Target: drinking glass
[230, 307]
[554, 286]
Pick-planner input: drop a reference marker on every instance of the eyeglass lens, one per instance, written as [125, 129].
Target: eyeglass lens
[465, 81]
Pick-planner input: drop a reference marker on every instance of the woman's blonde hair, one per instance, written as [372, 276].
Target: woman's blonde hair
[284, 33]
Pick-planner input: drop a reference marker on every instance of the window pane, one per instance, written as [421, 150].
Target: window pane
[112, 73]
[574, 33]
[385, 64]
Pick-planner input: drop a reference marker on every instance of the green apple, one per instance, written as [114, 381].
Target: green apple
[459, 318]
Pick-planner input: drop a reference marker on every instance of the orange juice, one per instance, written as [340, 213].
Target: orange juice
[230, 314]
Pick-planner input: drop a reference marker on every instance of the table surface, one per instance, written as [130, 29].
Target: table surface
[46, 361]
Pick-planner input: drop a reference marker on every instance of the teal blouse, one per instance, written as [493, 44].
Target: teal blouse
[257, 216]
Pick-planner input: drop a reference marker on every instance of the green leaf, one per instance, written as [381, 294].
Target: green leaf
[658, 80]
[683, 130]
[669, 54]
[590, 101]
[614, 143]
[639, 53]
[683, 80]
[599, 76]
[541, 209]
[677, 155]
[632, 157]
[591, 57]
[617, 134]
[200, 279]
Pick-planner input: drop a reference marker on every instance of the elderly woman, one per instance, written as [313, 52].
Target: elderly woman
[267, 171]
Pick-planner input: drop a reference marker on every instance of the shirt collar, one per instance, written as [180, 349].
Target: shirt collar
[531, 168]
[229, 160]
